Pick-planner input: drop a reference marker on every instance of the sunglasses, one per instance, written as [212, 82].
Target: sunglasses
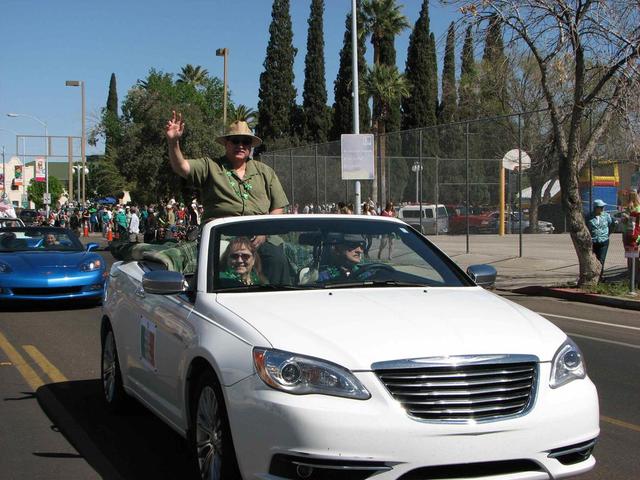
[237, 256]
[354, 245]
[245, 141]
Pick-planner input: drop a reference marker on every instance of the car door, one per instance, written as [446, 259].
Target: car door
[165, 332]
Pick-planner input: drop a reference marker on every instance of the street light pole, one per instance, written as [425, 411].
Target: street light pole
[224, 52]
[80, 83]
[46, 158]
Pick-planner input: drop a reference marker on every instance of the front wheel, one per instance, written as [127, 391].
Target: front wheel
[210, 435]
[113, 392]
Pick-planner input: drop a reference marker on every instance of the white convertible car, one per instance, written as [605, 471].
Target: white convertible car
[344, 347]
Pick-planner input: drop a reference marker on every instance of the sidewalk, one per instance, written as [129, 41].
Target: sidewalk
[548, 262]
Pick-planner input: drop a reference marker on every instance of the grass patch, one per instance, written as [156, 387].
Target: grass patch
[613, 289]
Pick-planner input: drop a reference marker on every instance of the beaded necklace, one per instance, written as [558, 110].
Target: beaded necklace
[236, 183]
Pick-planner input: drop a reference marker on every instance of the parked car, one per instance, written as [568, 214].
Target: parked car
[435, 219]
[28, 215]
[351, 368]
[480, 222]
[513, 224]
[47, 263]
[11, 222]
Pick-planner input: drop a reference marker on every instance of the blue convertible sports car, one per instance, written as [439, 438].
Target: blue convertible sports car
[45, 263]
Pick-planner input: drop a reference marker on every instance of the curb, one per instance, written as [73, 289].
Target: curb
[576, 296]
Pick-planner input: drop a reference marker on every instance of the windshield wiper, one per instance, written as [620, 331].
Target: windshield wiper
[373, 283]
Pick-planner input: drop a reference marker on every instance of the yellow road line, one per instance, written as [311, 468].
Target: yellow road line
[47, 367]
[23, 367]
[620, 423]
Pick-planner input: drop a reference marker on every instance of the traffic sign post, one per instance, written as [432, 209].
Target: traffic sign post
[356, 160]
[46, 198]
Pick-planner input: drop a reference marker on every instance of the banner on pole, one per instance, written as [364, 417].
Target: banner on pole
[41, 173]
[17, 175]
[356, 154]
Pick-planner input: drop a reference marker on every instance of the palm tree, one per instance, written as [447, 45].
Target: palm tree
[387, 86]
[243, 113]
[193, 75]
[382, 20]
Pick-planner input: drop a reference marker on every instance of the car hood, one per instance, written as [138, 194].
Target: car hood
[35, 261]
[358, 327]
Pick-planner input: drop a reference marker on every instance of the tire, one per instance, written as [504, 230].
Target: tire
[113, 393]
[209, 433]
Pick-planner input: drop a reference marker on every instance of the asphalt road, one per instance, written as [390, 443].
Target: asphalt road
[54, 425]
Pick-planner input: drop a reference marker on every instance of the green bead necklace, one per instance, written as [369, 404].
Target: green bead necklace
[235, 183]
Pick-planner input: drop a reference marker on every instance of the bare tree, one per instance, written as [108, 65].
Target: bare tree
[593, 47]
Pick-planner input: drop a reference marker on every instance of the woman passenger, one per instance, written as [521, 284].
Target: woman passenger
[242, 262]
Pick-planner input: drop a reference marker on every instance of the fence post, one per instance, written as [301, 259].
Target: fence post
[520, 183]
[315, 158]
[293, 198]
[420, 183]
[466, 187]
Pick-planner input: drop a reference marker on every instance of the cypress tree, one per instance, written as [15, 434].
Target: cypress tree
[448, 106]
[111, 113]
[315, 93]
[343, 85]
[418, 110]
[468, 93]
[277, 94]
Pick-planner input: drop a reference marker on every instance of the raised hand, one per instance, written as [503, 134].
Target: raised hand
[174, 128]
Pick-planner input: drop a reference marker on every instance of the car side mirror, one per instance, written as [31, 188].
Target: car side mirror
[92, 246]
[483, 275]
[164, 282]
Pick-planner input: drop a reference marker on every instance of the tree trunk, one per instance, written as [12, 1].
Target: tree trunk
[589, 265]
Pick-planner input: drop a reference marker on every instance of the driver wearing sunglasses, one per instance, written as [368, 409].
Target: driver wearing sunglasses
[346, 255]
[233, 184]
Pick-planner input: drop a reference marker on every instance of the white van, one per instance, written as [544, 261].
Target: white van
[432, 215]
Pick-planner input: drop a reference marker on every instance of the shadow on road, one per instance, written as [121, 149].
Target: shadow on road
[46, 305]
[131, 446]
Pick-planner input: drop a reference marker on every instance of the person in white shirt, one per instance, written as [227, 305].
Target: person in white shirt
[134, 225]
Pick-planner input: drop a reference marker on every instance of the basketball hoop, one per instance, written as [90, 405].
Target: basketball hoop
[514, 158]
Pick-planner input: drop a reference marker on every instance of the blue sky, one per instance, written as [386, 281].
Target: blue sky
[47, 42]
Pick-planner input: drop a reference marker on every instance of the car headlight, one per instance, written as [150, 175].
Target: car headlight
[300, 375]
[568, 365]
[91, 266]
[4, 268]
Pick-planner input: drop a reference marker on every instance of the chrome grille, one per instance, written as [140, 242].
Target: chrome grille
[463, 392]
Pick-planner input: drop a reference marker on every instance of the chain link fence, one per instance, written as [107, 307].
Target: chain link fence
[455, 166]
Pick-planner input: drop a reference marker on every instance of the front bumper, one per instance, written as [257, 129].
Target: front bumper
[75, 285]
[269, 426]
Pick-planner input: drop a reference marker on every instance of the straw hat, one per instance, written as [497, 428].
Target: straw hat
[239, 128]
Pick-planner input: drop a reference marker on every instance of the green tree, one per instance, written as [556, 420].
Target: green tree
[36, 191]
[277, 94]
[343, 85]
[418, 109]
[388, 86]
[314, 94]
[383, 20]
[449, 104]
[142, 157]
[111, 112]
[468, 91]
[196, 76]
[243, 113]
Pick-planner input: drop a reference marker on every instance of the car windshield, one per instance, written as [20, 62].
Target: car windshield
[38, 240]
[304, 253]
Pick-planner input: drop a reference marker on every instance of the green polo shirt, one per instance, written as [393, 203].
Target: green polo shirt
[225, 195]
